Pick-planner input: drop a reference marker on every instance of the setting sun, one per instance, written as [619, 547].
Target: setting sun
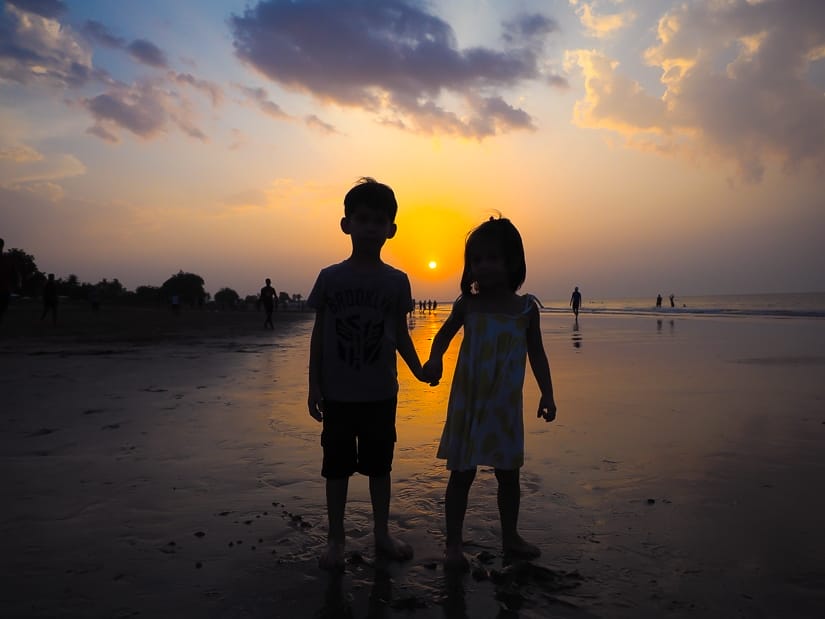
[432, 264]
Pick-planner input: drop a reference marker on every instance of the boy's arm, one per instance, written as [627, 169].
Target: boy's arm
[540, 367]
[315, 399]
[433, 368]
[405, 347]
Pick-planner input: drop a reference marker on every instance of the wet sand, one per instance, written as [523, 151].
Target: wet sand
[173, 471]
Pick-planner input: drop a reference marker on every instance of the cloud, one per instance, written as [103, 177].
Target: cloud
[600, 24]
[100, 33]
[148, 53]
[737, 85]
[146, 109]
[45, 8]
[393, 60]
[25, 169]
[37, 48]
[262, 101]
[214, 91]
[314, 122]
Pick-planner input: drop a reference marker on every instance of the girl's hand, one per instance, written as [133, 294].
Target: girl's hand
[432, 371]
[547, 409]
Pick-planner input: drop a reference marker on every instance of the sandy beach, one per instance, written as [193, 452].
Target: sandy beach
[165, 466]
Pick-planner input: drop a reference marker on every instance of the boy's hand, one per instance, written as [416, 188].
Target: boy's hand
[315, 403]
[432, 371]
[547, 409]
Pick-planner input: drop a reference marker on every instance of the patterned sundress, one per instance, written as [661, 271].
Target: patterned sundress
[485, 425]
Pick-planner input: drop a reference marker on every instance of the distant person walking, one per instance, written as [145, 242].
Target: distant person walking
[658, 300]
[50, 299]
[9, 279]
[672, 301]
[576, 301]
[268, 298]
[485, 422]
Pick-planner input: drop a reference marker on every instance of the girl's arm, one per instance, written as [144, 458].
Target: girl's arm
[315, 399]
[540, 366]
[433, 368]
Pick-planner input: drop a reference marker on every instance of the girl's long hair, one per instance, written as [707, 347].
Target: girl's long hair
[503, 233]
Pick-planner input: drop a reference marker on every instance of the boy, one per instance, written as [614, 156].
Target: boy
[361, 306]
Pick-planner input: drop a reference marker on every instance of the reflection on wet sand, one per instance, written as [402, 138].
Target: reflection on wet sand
[577, 335]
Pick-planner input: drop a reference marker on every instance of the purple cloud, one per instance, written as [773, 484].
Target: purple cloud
[148, 53]
[391, 58]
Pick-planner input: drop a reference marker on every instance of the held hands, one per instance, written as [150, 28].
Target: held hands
[431, 372]
[547, 409]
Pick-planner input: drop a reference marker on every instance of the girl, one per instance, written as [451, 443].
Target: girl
[484, 416]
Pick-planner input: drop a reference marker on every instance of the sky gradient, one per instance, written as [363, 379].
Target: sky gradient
[641, 146]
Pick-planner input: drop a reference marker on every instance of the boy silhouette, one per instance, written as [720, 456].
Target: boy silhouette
[360, 306]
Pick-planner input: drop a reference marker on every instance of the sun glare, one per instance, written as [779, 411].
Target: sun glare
[432, 264]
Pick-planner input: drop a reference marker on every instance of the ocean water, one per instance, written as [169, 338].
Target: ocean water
[800, 305]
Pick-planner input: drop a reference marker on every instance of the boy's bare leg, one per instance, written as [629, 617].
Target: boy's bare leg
[380, 491]
[333, 556]
[455, 507]
[509, 501]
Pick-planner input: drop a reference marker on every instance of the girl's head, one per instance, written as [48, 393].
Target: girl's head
[494, 257]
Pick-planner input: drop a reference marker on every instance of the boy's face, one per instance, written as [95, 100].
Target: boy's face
[368, 227]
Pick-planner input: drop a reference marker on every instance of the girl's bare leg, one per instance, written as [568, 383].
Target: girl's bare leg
[509, 502]
[455, 507]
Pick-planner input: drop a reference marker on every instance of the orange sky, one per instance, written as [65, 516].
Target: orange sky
[639, 147]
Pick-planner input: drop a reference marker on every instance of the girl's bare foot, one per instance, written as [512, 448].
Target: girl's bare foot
[454, 558]
[392, 547]
[333, 556]
[521, 548]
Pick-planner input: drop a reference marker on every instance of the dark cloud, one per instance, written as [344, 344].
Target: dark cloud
[139, 112]
[391, 58]
[534, 27]
[44, 8]
[148, 53]
[32, 49]
[100, 34]
[147, 110]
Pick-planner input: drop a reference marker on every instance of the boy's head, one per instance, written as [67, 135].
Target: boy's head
[373, 195]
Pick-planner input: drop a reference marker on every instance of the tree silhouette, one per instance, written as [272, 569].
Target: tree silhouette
[227, 298]
[30, 276]
[187, 286]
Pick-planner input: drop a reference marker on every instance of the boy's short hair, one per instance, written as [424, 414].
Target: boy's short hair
[372, 194]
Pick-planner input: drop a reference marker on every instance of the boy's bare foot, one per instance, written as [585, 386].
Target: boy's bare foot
[454, 558]
[333, 556]
[392, 547]
[521, 548]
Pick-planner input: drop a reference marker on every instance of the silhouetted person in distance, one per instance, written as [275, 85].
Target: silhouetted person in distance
[50, 299]
[9, 279]
[672, 302]
[658, 300]
[576, 301]
[268, 298]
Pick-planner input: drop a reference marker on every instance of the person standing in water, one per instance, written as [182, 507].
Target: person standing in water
[485, 425]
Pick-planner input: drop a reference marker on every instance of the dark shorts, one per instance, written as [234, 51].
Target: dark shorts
[358, 437]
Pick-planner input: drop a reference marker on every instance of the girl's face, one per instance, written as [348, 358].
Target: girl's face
[488, 266]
